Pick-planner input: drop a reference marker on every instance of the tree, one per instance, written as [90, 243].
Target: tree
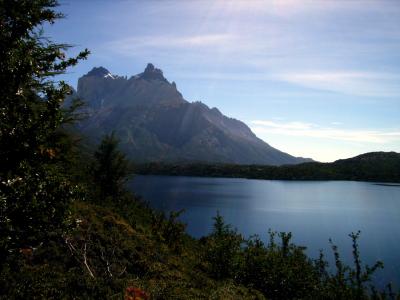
[111, 169]
[34, 189]
[223, 249]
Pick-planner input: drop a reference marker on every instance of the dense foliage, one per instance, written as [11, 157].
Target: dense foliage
[35, 191]
[374, 166]
[69, 229]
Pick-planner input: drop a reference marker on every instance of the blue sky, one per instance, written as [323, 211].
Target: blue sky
[318, 79]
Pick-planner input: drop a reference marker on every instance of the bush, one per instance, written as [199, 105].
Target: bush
[222, 250]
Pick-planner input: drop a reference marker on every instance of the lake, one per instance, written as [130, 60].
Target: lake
[313, 211]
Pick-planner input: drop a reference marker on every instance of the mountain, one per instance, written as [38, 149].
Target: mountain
[155, 123]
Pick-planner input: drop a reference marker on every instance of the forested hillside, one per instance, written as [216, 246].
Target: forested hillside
[374, 166]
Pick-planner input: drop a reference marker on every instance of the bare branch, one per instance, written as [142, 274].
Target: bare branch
[85, 261]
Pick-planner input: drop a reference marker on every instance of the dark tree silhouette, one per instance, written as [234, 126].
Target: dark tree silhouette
[111, 169]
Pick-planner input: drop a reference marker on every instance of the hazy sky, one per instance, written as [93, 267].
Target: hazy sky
[318, 79]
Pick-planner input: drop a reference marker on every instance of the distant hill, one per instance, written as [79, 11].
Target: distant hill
[155, 123]
[383, 166]
[373, 166]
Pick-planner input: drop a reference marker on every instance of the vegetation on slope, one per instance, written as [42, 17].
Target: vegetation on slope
[69, 229]
[374, 166]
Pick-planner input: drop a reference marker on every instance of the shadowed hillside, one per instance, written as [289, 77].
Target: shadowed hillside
[373, 166]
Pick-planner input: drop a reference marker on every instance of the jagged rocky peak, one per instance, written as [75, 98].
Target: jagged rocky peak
[98, 71]
[152, 73]
[150, 68]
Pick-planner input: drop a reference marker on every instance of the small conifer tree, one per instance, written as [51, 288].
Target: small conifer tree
[111, 168]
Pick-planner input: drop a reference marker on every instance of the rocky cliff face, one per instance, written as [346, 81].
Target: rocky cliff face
[155, 123]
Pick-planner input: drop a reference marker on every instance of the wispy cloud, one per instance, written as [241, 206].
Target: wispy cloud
[344, 82]
[325, 46]
[137, 44]
[347, 82]
[284, 8]
[285, 126]
[301, 129]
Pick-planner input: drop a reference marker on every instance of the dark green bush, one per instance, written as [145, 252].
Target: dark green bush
[222, 249]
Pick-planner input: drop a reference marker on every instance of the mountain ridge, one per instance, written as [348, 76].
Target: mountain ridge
[155, 123]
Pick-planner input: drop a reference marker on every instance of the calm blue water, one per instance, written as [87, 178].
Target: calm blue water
[313, 211]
